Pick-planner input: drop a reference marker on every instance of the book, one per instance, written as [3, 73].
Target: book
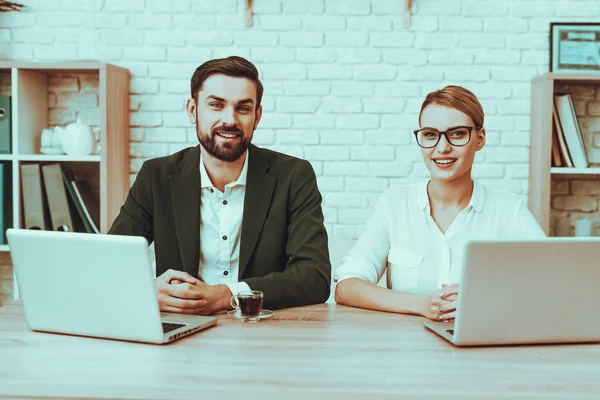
[33, 200]
[556, 158]
[80, 219]
[2, 221]
[77, 215]
[571, 130]
[58, 205]
[560, 138]
[85, 196]
[7, 200]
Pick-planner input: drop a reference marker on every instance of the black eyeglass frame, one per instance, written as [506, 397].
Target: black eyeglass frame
[445, 133]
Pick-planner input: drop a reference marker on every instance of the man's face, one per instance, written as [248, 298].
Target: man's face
[225, 115]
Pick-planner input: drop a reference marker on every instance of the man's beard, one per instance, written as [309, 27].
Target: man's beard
[228, 152]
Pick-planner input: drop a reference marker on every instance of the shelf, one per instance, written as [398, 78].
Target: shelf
[562, 76]
[4, 247]
[58, 158]
[575, 171]
[72, 66]
[6, 157]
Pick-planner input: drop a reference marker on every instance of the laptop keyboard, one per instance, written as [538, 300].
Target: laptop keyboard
[168, 327]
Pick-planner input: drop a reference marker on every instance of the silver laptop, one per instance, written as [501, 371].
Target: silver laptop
[93, 285]
[526, 292]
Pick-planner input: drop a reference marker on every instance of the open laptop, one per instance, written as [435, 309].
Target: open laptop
[93, 285]
[526, 292]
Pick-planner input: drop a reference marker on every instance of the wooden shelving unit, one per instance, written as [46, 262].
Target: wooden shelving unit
[107, 173]
[540, 145]
[29, 92]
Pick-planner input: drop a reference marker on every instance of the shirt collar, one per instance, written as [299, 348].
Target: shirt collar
[477, 198]
[205, 181]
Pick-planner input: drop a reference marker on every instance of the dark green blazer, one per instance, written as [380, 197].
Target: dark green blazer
[283, 249]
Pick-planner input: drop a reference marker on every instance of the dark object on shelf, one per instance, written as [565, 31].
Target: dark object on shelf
[5, 125]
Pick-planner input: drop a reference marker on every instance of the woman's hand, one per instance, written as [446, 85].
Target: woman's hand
[441, 304]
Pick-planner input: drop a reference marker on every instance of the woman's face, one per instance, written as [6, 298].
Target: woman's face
[446, 161]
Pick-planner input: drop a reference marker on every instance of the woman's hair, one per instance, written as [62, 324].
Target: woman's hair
[233, 66]
[460, 99]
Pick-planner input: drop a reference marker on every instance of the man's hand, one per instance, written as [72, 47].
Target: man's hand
[178, 298]
[441, 304]
[211, 299]
[216, 298]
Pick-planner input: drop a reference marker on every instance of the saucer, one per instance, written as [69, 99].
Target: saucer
[51, 150]
[263, 314]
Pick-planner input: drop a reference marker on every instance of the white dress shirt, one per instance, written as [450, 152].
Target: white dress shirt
[402, 237]
[221, 216]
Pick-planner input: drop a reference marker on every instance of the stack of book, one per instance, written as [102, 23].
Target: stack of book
[568, 149]
[61, 203]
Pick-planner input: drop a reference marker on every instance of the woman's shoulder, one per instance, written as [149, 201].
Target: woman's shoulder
[497, 197]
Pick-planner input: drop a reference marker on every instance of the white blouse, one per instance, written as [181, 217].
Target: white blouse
[402, 237]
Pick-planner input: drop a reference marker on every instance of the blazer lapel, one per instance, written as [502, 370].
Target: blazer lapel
[259, 190]
[185, 196]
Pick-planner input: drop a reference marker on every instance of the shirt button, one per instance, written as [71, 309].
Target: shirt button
[224, 237]
[212, 190]
[224, 202]
[225, 273]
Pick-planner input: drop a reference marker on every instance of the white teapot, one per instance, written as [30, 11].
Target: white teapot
[77, 139]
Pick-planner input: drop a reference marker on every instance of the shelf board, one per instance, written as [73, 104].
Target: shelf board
[562, 76]
[575, 171]
[57, 66]
[4, 247]
[6, 157]
[58, 158]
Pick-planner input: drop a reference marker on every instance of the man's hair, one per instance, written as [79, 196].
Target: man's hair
[460, 99]
[233, 66]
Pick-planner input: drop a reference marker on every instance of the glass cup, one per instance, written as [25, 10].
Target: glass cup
[248, 305]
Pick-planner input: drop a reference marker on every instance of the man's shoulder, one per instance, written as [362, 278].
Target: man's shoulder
[170, 162]
[279, 163]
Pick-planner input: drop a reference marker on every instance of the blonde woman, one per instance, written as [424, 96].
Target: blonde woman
[417, 232]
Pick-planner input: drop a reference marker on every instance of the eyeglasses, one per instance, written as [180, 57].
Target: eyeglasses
[456, 136]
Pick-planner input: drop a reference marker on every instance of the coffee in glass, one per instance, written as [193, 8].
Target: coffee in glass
[248, 305]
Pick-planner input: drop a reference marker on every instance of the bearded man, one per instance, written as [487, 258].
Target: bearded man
[227, 216]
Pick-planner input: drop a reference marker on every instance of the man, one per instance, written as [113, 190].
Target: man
[227, 216]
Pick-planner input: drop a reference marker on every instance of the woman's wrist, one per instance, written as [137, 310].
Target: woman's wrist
[410, 303]
[419, 304]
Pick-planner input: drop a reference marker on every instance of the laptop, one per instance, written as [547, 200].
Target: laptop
[526, 292]
[93, 285]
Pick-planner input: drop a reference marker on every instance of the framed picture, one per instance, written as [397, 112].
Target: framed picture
[575, 47]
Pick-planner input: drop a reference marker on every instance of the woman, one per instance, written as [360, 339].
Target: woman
[418, 232]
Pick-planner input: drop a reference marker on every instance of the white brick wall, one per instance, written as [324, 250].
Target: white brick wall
[343, 79]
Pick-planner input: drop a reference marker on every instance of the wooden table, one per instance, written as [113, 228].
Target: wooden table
[323, 351]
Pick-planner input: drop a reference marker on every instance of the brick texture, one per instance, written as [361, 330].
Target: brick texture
[343, 80]
[73, 96]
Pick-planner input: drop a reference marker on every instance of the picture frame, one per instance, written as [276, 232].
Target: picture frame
[575, 47]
